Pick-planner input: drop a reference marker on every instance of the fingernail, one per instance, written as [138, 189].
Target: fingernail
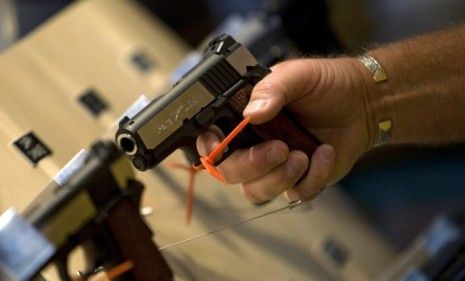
[254, 106]
[249, 195]
[292, 195]
[276, 155]
[298, 163]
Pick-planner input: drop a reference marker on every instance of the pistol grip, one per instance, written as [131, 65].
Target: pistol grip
[282, 127]
[133, 240]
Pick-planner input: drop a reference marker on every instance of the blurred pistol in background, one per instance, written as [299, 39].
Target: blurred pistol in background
[97, 209]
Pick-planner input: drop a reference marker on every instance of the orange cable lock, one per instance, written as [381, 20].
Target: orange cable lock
[120, 269]
[208, 163]
[190, 188]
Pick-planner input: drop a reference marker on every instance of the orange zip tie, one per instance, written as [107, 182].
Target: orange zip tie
[190, 188]
[208, 162]
[120, 269]
[113, 273]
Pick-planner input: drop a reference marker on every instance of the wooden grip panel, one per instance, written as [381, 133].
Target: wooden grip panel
[281, 127]
[134, 240]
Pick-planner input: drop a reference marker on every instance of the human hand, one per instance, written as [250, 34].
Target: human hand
[328, 97]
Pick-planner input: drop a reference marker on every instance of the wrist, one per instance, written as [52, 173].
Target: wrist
[375, 90]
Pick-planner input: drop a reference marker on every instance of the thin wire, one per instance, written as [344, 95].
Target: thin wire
[291, 205]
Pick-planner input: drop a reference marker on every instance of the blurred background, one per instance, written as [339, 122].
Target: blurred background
[400, 188]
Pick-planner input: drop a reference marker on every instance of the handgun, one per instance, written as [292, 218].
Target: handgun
[214, 92]
[97, 209]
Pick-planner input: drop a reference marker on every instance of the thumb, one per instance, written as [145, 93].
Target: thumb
[288, 82]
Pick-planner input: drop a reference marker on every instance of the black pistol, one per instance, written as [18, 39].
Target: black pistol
[97, 209]
[214, 92]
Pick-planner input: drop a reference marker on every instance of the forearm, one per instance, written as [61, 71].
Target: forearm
[424, 95]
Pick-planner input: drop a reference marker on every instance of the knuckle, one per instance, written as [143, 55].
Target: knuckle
[256, 163]
[250, 167]
[228, 173]
[265, 86]
[268, 155]
[270, 87]
[238, 168]
[290, 175]
[297, 165]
